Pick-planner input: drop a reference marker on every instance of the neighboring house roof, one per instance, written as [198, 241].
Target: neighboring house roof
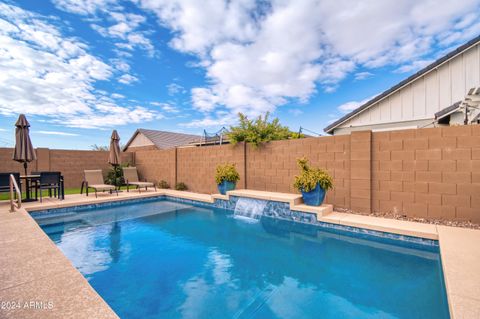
[448, 110]
[164, 139]
[412, 78]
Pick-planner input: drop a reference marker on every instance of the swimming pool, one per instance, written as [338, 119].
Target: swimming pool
[165, 259]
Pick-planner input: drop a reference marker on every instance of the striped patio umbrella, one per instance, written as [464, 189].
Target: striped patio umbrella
[114, 156]
[23, 151]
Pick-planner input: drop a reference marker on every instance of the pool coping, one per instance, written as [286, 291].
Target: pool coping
[460, 257]
[323, 213]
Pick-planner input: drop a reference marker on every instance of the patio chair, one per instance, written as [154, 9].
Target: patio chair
[131, 178]
[50, 181]
[5, 182]
[94, 179]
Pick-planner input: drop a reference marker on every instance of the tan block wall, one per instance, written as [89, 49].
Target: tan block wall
[70, 162]
[430, 172]
[9, 165]
[272, 167]
[361, 171]
[196, 165]
[156, 165]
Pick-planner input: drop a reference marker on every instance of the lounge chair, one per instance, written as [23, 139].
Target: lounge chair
[94, 179]
[131, 178]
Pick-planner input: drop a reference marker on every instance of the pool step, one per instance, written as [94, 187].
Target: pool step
[320, 211]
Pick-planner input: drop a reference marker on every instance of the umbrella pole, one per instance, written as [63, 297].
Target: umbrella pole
[27, 183]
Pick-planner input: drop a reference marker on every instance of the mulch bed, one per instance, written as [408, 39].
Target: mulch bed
[444, 222]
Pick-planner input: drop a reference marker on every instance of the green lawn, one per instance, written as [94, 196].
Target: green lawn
[68, 191]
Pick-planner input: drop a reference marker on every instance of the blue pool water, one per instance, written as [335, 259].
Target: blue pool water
[163, 259]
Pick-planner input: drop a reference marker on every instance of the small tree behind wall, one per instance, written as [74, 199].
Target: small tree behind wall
[260, 130]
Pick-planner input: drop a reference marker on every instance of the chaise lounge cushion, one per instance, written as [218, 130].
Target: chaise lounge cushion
[101, 186]
[141, 184]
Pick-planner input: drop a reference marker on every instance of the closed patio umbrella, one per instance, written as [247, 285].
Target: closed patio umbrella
[114, 156]
[23, 152]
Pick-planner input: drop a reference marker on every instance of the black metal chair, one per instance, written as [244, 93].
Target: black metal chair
[49, 181]
[5, 182]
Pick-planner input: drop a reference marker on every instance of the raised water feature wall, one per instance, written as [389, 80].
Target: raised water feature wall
[272, 209]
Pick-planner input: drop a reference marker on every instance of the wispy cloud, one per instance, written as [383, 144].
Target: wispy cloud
[43, 72]
[175, 88]
[352, 105]
[117, 96]
[414, 66]
[362, 75]
[55, 133]
[127, 79]
[166, 107]
[123, 27]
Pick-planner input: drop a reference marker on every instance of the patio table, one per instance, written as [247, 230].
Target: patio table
[30, 179]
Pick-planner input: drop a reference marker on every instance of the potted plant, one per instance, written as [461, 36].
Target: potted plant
[226, 176]
[313, 183]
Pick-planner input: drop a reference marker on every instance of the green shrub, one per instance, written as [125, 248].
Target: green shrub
[310, 177]
[163, 184]
[259, 131]
[181, 186]
[115, 175]
[226, 172]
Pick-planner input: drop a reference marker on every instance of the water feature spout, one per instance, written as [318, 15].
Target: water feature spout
[250, 208]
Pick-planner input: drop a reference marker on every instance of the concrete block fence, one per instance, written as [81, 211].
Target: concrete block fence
[71, 163]
[433, 172]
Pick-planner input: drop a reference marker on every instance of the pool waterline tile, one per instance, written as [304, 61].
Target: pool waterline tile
[273, 209]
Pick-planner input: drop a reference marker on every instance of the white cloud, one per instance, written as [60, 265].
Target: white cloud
[414, 66]
[362, 75]
[352, 105]
[127, 79]
[258, 56]
[44, 73]
[166, 107]
[117, 96]
[117, 25]
[54, 133]
[174, 89]
[84, 7]
[120, 64]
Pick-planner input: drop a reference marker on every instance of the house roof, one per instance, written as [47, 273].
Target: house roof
[448, 110]
[163, 139]
[394, 88]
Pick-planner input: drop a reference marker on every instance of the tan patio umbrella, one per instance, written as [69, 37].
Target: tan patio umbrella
[114, 156]
[23, 152]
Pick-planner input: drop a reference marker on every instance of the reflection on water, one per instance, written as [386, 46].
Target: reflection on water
[189, 262]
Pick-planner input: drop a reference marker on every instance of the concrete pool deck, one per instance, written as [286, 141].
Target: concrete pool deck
[33, 269]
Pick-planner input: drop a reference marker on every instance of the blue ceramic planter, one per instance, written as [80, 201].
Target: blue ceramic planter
[226, 186]
[315, 197]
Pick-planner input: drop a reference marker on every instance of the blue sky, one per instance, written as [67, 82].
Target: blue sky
[80, 68]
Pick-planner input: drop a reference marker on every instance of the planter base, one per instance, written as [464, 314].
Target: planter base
[226, 186]
[315, 197]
